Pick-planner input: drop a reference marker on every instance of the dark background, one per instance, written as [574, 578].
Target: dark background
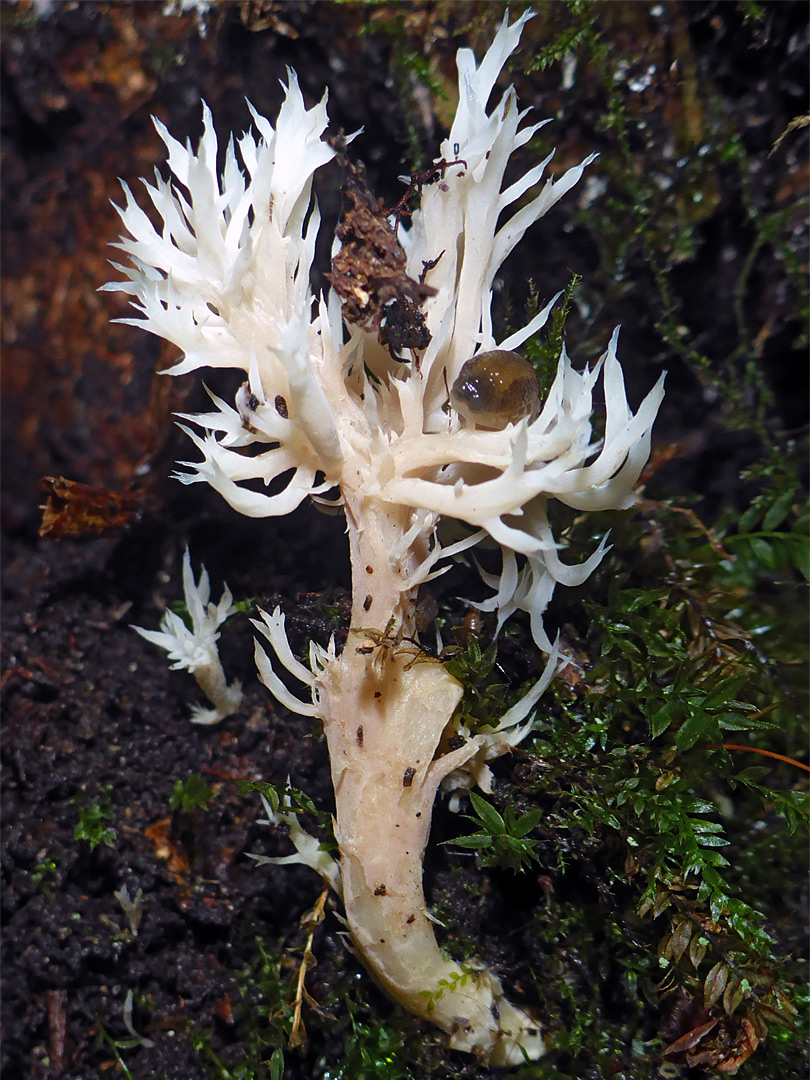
[709, 90]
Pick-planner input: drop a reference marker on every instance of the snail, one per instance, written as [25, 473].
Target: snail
[496, 388]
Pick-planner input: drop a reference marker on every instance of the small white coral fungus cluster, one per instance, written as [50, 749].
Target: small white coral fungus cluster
[324, 405]
[194, 648]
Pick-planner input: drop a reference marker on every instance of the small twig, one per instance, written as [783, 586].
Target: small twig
[312, 919]
[650, 506]
[57, 1030]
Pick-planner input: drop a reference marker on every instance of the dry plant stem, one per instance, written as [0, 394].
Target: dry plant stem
[384, 720]
[312, 920]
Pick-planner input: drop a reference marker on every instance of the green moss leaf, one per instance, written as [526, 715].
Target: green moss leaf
[694, 728]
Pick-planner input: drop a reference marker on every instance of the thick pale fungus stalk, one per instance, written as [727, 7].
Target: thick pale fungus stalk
[383, 735]
[384, 719]
[326, 406]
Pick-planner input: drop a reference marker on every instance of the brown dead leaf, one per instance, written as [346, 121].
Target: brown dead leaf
[74, 509]
[167, 851]
[690, 1040]
[715, 983]
[723, 1045]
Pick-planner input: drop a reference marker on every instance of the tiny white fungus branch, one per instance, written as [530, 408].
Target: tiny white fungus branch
[325, 408]
[308, 850]
[195, 648]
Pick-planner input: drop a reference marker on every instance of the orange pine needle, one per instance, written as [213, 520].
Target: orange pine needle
[766, 753]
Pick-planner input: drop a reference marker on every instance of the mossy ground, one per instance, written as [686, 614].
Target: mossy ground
[666, 886]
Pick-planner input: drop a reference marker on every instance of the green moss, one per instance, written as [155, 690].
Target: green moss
[44, 873]
[191, 794]
[91, 826]
[641, 775]
[500, 840]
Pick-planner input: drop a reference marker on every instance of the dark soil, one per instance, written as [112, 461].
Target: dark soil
[87, 703]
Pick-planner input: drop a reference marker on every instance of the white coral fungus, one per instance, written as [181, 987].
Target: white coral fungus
[308, 850]
[194, 649]
[324, 405]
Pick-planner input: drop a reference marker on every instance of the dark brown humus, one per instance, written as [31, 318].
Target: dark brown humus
[496, 388]
[369, 272]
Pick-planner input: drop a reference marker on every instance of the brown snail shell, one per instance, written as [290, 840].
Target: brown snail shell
[496, 388]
